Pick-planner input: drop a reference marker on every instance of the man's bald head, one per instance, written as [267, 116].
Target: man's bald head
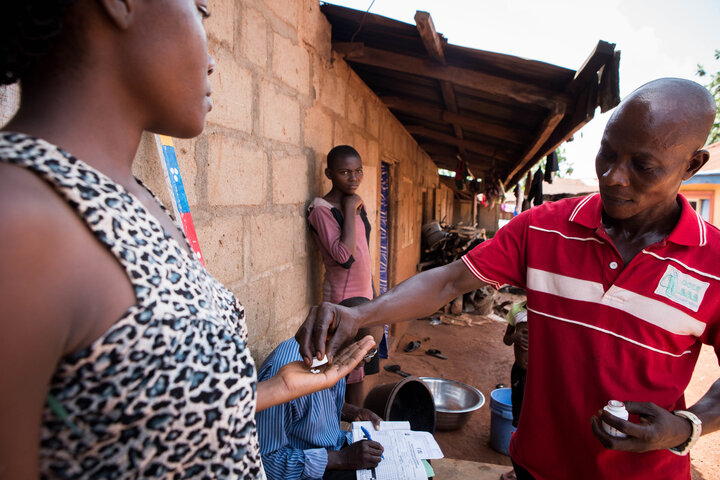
[678, 111]
[651, 144]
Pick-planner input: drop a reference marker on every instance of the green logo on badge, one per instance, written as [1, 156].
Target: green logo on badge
[681, 288]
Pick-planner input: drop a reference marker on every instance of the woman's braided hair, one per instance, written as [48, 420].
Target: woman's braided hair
[29, 30]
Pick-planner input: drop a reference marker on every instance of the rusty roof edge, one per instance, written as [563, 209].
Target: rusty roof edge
[602, 56]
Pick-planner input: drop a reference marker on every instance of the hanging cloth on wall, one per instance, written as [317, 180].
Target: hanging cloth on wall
[526, 191]
[551, 166]
[461, 172]
[493, 188]
[536, 193]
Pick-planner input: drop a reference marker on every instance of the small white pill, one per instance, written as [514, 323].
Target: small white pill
[314, 370]
[317, 363]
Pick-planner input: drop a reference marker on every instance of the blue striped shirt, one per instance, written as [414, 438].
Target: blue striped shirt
[296, 436]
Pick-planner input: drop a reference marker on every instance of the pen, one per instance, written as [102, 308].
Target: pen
[367, 434]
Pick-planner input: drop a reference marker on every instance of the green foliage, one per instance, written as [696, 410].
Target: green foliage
[566, 166]
[713, 85]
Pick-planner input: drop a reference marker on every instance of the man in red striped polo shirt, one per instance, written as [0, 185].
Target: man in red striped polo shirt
[623, 287]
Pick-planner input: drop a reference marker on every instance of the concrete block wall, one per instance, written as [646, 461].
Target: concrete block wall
[282, 99]
[9, 101]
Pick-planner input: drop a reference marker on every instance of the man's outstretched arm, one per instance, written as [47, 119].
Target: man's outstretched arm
[328, 327]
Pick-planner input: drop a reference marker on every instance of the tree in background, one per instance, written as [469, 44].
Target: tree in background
[566, 166]
[714, 86]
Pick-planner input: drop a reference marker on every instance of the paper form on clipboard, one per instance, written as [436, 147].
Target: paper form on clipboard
[404, 450]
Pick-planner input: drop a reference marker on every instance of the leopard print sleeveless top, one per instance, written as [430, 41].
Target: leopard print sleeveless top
[169, 390]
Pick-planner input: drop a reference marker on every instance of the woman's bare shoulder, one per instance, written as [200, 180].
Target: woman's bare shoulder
[54, 270]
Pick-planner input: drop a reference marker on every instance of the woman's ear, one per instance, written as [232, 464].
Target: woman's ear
[119, 12]
[699, 158]
[327, 173]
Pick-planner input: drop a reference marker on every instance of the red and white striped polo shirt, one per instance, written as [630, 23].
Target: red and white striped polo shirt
[601, 330]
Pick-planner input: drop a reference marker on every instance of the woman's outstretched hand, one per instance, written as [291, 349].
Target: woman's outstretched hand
[295, 379]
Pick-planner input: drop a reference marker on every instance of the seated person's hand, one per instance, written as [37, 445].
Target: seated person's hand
[361, 455]
[365, 415]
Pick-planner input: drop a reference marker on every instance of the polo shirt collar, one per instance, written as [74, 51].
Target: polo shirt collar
[588, 212]
[690, 229]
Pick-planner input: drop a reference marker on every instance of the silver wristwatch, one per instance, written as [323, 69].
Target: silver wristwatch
[696, 423]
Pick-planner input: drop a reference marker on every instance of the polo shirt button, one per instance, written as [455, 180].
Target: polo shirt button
[613, 265]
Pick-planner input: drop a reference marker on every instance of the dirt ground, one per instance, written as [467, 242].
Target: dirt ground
[478, 357]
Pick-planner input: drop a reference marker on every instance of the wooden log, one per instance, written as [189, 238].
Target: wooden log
[430, 38]
[609, 94]
[546, 129]
[450, 140]
[583, 113]
[601, 55]
[504, 87]
[430, 112]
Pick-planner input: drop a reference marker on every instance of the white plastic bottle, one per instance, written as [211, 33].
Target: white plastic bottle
[617, 408]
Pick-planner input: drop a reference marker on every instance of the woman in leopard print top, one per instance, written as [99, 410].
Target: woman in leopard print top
[122, 357]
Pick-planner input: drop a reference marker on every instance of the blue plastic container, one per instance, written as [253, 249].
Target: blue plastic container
[501, 420]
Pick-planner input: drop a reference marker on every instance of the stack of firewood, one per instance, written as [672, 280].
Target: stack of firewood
[443, 248]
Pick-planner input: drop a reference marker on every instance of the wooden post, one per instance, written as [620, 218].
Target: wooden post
[475, 209]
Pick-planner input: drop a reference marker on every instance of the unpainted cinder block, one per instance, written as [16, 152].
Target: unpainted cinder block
[221, 24]
[291, 293]
[356, 108]
[254, 37]
[221, 242]
[232, 92]
[332, 90]
[279, 115]
[289, 178]
[318, 128]
[270, 242]
[237, 172]
[286, 11]
[291, 64]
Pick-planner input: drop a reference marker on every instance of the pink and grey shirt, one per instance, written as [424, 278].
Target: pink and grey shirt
[346, 274]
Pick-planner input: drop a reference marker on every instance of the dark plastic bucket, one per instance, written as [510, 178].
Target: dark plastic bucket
[501, 420]
[407, 400]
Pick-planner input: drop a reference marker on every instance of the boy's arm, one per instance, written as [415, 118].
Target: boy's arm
[350, 204]
[509, 337]
[330, 237]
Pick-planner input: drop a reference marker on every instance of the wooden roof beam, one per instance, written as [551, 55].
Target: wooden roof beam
[434, 46]
[587, 87]
[430, 38]
[511, 89]
[450, 140]
[439, 115]
[448, 94]
[601, 55]
[546, 129]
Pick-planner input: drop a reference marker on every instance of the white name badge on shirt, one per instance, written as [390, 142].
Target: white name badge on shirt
[682, 288]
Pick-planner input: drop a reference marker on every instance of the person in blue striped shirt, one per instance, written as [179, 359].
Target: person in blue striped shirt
[302, 439]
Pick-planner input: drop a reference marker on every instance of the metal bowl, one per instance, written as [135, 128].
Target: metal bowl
[455, 402]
